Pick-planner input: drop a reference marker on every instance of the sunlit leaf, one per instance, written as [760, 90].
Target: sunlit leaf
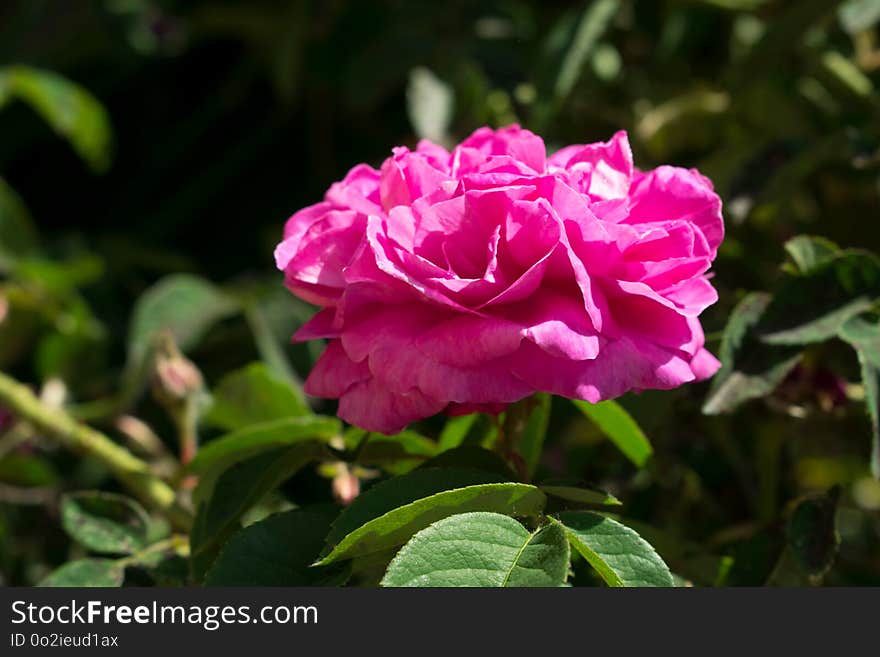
[620, 428]
[616, 552]
[396, 526]
[481, 549]
[430, 103]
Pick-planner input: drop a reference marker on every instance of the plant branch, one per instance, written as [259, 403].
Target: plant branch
[131, 472]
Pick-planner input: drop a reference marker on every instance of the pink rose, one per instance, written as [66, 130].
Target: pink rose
[464, 281]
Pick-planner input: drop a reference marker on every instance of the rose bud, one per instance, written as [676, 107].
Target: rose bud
[175, 378]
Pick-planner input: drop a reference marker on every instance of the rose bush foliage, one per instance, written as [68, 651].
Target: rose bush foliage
[467, 280]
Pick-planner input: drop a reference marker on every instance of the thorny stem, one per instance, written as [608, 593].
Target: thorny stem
[131, 472]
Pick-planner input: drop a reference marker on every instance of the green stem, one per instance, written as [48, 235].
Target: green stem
[131, 472]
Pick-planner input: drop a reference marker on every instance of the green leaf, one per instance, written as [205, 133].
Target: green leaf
[813, 307]
[27, 470]
[105, 522]
[392, 493]
[481, 549]
[616, 552]
[456, 430]
[580, 494]
[750, 368]
[430, 103]
[269, 320]
[399, 453]
[235, 491]
[277, 551]
[595, 21]
[528, 420]
[736, 5]
[472, 457]
[808, 252]
[812, 533]
[858, 15]
[863, 335]
[253, 395]
[871, 382]
[70, 110]
[87, 572]
[396, 526]
[257, 438]
[18, 234]
[185, 305]
[620, 428]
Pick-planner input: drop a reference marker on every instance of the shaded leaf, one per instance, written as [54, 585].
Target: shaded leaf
[871, 382]
[812, 533]
[813, 307]
[481, 549]
[277, 551]
[472, 457]
[863, 334]
[253, 395]
[616, 552]
[105, 522]
[70, 110]
[592, 25]
[399, 453]
[86, 572]
[23, 469]
[810, 251]
[185, 305]
[235, 491]
[269, 321]
[750, 369]
[18, 233]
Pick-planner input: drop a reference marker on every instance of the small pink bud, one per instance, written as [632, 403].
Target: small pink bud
[346, 485]
[175, 377]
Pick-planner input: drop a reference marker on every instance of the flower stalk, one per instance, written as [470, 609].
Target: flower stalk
[129, 470]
